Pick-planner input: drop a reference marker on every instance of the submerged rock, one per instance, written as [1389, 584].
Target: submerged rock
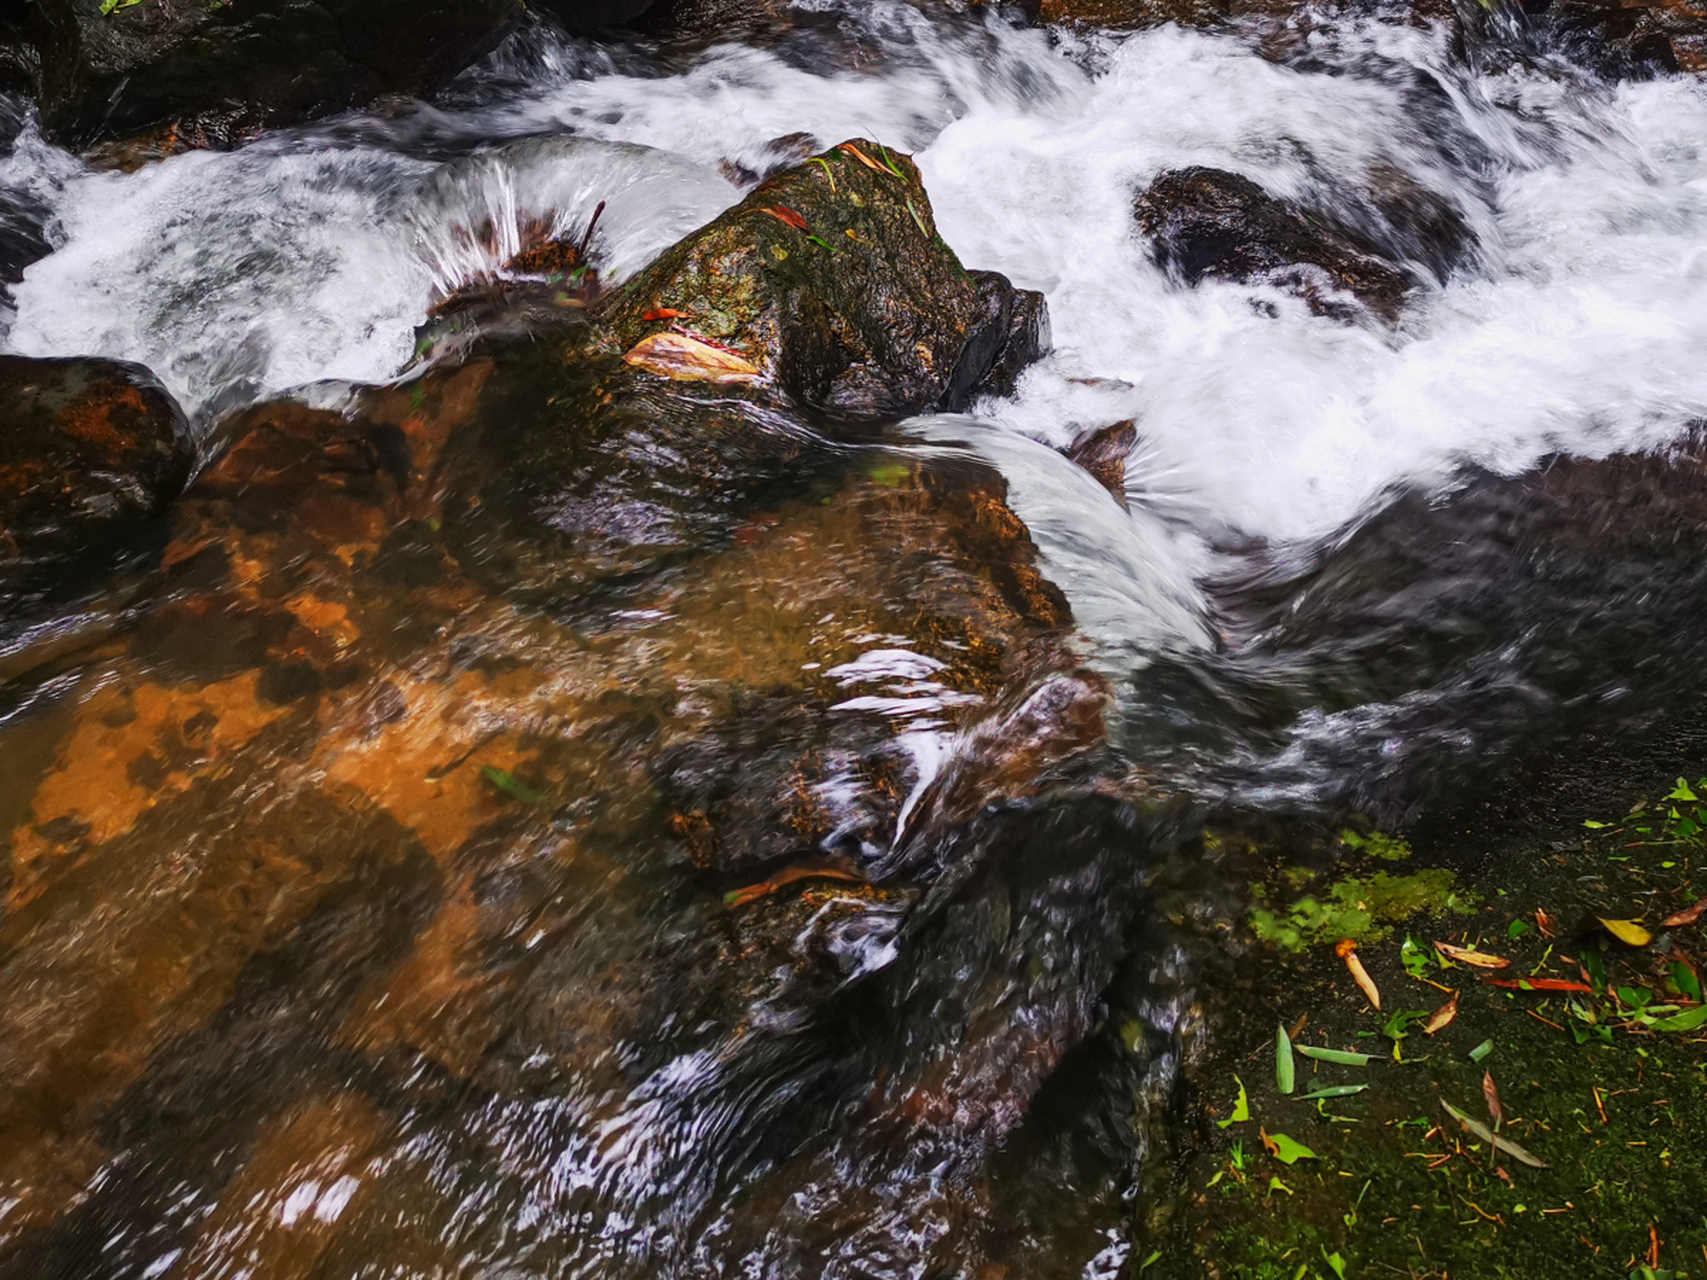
[1206, 223]
[216, 69]
[91, 451]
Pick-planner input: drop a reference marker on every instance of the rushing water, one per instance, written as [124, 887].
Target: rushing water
[1285, 462]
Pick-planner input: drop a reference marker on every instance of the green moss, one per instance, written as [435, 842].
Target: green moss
[1361, 908]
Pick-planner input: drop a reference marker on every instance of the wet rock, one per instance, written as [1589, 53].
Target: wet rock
[221, 70]
[1206, 223]
[830, 279]
[91, 451]
[1621, 39]
[1103, 452]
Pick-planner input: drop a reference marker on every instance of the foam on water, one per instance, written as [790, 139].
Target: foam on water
[1578, 323]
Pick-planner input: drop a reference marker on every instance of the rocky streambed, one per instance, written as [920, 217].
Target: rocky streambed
[616, 673]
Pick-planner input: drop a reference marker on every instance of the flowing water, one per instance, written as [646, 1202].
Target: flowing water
[1310, 601]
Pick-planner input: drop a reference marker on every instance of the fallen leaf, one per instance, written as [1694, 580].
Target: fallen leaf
[1333, 1091]
[1549, 927]
[785, 877]
[1538, 984]
[1283, 1064]
[1340, 1056]
[665, 313]
[1284, 1149]
[1347, 951]
[677, 355]
[1686, 917]
[1491, 1095]
[864, 159]
[1442, 1016]
[1694, 1020]
[1628, 932]
[1241, 1108]
[1477, 1129]
[783, 214]
[1478, 959]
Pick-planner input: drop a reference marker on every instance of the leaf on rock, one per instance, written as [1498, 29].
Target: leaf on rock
[1476, 959]
[1442, 1017]
[864, 159]
[678, 355]
[1628, 932]
[1479, 1130]
[783, 214]
[508, 783]
[665, 313]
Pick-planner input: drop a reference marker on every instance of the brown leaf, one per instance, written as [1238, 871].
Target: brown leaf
[1360, 975]
[1491, 1093]
[1688, 916]
[786, 877]
[1268, 1144]
[1547, 924]
[678, 355]
[1538, 984]
[783, 214]
[1442, 1016]
[864, 159]
[1478, 959]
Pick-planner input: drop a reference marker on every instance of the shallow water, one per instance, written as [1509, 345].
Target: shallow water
[1292, 612]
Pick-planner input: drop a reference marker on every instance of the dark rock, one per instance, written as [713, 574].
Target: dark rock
[1209, 223]
[91, 451]
[1103, 452]
[1622, 39]
[215, 70]
[831, 279]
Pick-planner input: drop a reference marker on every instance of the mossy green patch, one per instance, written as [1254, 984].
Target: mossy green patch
[1362, 908]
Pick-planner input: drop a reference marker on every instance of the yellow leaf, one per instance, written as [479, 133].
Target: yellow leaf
[1463, 955]
[676, 355]
[1627, 931]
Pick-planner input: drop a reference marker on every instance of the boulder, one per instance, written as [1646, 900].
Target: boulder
[1206, 223]
[91, 451]
[830, 283]
[1623, 39]
[214, 70]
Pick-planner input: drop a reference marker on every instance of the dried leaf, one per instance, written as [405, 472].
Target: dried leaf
[785, 877]
[1688, 916]
[1479, 1130]
[1538, 984]
[1347, 951]
[678, 355]
[1442, 1016]
[1491, 1095]
[783, 214]
[1628, 932]
[1547, 924]
[864, 159]
[1478, 959]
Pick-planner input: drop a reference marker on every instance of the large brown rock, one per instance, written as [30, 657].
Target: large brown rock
[91, 451]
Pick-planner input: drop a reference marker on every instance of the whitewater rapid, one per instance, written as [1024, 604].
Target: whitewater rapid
[1578, 322]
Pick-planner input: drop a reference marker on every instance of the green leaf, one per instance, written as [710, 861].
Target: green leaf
[1333, 1091]
[1517, 928]
[1333, 1260]
[1636, 997]
[1150, 1261]
[509, 783]
[1686, 981]
[1241, 1108]
[1414, 958]
[1283, 1064]
[1592, 825]
[1340, 1056]
[1289, 1150]
[1682, 791]
[1481, 1051]
[1694, 1020]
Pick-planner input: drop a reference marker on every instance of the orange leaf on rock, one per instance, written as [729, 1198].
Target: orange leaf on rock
[1442, 1016]
[1476, 959]
[859, 155]
[783, 214]
[665, 313]
[681, 356]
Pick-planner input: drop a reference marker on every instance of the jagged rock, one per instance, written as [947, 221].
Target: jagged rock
[90, 453]
[212, 70]
[1206, 223]
[1103, 452]
[830, 278]
[1623, 39]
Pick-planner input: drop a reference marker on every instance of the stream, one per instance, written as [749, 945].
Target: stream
[1359, 567]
